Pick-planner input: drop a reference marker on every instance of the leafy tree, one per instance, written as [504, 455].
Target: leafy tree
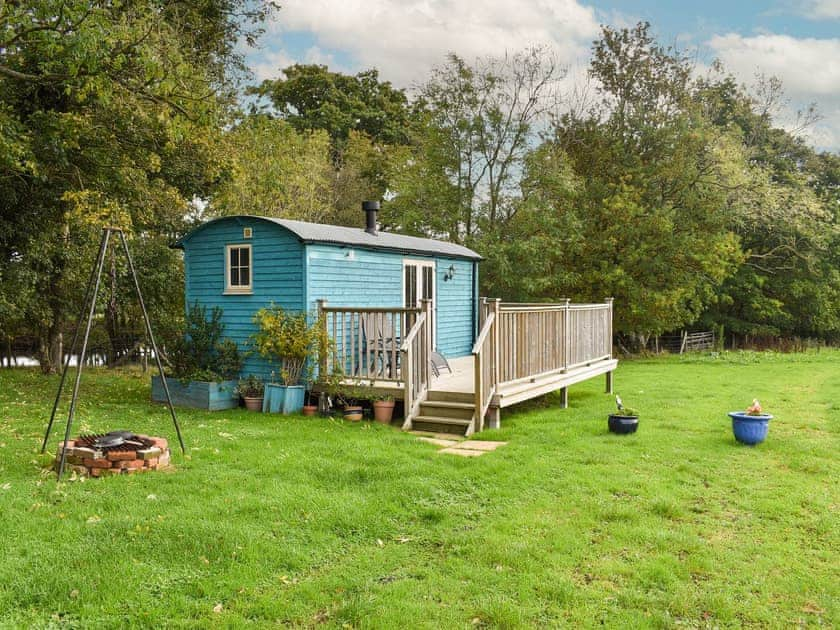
[478, 123]
[108, 114]
[649, 212]
[311, 97]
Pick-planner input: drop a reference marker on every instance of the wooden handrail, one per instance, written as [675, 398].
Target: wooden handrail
[485, 330]
[415, 330]
[368, 309]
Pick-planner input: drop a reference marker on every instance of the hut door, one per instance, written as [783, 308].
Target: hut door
[419, 284]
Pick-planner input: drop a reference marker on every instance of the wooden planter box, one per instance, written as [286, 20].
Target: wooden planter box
[211, 396]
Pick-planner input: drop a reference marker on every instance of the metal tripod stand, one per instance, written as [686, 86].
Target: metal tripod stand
[89, 305]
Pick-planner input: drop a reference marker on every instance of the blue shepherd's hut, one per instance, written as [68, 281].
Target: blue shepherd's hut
[243, 263]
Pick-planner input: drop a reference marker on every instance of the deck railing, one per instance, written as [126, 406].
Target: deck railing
[415, 354]
[536, 339]
[367, 341]
[484, 360]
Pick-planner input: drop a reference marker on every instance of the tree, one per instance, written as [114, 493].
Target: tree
[479, 122]
[649, 214]
[107, 114]
[311, 97]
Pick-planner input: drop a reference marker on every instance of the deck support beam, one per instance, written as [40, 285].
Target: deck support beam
[564, 398]
[609, 388]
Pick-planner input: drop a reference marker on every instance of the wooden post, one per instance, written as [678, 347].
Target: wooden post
[477, 387]
[564, 398]
[609, 302]
[609, 382]
[496, 332]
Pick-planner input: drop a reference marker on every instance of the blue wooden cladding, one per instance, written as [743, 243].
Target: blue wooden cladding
[197, 394]
[292, 270]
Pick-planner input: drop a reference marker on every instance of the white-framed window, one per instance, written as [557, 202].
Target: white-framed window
[239, 269]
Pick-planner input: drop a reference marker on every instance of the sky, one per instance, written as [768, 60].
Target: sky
[797, 41]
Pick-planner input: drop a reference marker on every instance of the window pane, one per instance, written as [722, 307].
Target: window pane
[234, 276]
[234, 257]
[427, 283]
[243, 276]
[244, 255]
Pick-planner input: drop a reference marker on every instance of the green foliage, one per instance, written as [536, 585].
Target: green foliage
[310, 97]
[108, 115]
[201, 353]
[289, 341]
[251, 387]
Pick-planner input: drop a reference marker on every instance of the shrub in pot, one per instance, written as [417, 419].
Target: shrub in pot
[251, 390]
[287, 340]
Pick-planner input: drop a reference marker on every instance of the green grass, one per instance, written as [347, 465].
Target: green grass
[300, 521]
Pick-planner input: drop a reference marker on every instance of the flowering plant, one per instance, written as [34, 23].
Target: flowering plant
[755, 409]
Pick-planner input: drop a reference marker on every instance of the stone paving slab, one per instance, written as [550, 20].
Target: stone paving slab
[481, 445]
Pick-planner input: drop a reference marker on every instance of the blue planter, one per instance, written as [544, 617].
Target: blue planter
[750, 429]
[283, 398]
[197, 394]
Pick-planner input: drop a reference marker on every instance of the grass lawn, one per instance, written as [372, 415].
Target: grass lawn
[300, 521]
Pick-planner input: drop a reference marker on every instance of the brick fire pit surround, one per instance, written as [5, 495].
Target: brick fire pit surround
[139, 454]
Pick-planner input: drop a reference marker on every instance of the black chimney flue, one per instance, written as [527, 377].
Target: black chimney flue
[370, 208]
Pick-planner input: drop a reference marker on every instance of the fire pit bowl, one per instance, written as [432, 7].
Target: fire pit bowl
[114, 453]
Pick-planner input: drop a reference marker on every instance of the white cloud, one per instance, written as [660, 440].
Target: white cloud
[820, 9]
[405, 38]
[808, 68]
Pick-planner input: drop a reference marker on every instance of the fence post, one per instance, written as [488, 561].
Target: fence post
[497, 309]
[609, 302]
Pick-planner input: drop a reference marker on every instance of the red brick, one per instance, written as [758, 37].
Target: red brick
[68, 444]
[119, 456]
[161, 443]
[97, 463]
[134, 464]
[96, 472]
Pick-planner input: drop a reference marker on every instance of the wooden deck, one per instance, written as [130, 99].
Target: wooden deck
[462, 380]
[521, 351]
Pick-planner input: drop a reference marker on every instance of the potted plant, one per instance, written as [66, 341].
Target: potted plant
[383, 408]
[348, 397]
[750, 426]
[251, 390]
[287, 340]
[309, 409]
[202, 366]
[626, 420]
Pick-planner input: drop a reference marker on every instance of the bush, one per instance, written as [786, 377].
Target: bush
[288, 340]
[200, 354]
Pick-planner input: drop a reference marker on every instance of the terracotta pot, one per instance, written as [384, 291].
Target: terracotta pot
[353, 413]
[253, 403]
[383, 411]
[310, 410]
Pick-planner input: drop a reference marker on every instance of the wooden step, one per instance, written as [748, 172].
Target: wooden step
[444, 396]
[442, 409]
[438, 424]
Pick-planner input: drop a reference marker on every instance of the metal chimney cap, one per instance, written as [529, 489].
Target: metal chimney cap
[370, 205]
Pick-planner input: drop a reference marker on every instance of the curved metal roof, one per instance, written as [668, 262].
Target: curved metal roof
[354, 237]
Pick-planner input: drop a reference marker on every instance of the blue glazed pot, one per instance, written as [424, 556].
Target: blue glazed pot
[284, 399]
[750, 429]
[273, 398]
